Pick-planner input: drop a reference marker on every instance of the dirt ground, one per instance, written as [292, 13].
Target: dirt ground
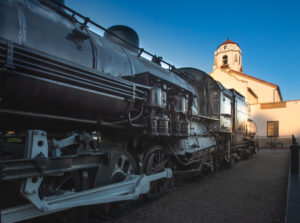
[251, 191]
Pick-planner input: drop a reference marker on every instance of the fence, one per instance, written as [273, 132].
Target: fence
[292, 214]
[274, 142]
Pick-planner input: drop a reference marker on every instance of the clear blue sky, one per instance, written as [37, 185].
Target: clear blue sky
[186, 33]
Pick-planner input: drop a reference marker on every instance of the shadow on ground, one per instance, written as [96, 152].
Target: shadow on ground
[251, 191]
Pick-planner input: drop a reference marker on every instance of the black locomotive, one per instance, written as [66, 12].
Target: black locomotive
[112, 125]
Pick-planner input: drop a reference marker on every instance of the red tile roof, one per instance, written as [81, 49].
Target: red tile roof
[228, 41]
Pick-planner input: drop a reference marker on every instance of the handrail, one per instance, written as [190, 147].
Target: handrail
[141, 50]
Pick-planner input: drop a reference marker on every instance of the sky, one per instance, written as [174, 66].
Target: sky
[186, 33]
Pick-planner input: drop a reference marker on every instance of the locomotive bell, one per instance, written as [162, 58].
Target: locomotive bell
[125, 33]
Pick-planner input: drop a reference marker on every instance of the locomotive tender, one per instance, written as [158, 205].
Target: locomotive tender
[112, 125]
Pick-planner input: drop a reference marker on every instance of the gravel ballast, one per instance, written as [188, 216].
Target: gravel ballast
[251, 191]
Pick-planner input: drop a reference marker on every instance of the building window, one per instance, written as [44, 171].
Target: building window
[235, 58]
[272, 128]
[225, 60]
[239, 60]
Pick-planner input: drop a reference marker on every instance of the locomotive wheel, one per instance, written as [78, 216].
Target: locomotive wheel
[55, 185]
[228, 161]
[210, 164]
[155, 161]
[121, 164]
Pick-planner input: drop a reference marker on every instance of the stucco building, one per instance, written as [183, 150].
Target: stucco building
[273, 116]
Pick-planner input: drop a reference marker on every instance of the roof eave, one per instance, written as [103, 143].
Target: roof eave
[279, 93]
[254, 78]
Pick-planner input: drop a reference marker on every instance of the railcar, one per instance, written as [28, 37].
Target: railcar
[86, 119]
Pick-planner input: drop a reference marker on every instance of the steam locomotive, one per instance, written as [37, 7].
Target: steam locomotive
[88, 120]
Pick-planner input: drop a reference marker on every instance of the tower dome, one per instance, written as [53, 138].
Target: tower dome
[228, 56]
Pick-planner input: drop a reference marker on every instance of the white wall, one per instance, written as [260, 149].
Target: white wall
[289, 119]
[231, 79]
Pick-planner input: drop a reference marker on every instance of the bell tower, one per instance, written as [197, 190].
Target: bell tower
[228, 55]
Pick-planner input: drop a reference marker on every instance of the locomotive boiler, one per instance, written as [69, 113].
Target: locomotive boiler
[87, 119]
